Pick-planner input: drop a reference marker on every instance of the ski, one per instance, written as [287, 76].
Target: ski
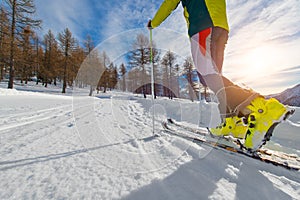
[288, 161]
[202, 131]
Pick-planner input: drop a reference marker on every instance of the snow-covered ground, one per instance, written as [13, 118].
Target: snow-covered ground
[72, 146]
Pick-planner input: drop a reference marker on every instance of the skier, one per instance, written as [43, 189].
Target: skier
[245, 113]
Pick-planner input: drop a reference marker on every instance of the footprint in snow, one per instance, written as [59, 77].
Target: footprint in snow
[232, 171]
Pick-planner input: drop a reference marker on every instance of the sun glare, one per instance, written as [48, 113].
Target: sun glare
[259, 61]
[256, 66]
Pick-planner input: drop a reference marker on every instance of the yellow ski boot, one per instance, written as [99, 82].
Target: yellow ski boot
[265, 115]
[234, 126]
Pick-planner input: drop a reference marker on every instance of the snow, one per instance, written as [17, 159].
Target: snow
[55, 146]
[225, 190]
[284, 184]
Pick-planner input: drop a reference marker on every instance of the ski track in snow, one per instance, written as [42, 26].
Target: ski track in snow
[40, 149]
[55, 147]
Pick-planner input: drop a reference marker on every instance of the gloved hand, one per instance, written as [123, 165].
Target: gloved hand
[149, 26]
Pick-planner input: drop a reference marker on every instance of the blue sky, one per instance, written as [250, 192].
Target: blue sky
[262, 51]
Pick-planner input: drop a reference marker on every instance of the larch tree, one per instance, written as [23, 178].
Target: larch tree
[92, 63]
[26, 58]
[38, 56]
[50, 58]
[67, 45]
[139, 57]
[4, 41]
[113, 76]
[20, 12]
[190, 75]
[168, 62]
[123, 72]
[78, 57]
[105, 72]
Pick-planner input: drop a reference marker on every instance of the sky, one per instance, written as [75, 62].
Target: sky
[262, 51]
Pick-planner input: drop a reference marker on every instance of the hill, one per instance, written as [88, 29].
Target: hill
[290, 96]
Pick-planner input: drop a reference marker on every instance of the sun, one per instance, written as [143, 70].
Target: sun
[258, 62]
[255, 66]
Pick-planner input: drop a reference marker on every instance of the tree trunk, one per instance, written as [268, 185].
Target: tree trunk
[1, 72]
[91, 91]
[12, 41]
[65, 77]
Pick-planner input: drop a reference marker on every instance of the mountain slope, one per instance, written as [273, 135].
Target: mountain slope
[290, 96]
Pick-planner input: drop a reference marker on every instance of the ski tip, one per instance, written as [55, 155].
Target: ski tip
[170, 120]
[164, 124]
[288, 114]
[210, 133]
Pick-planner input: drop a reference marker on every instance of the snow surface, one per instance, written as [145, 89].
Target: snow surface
[72, 146]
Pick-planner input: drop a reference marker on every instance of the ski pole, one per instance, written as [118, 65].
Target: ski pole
[152, 79]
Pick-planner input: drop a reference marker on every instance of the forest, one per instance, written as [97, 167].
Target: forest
[65, 61]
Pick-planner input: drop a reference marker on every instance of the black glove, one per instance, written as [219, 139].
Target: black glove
[149, 26]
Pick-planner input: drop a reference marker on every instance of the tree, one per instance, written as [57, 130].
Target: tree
[190, 75]
[105, 73]
[168, 62]
[50, 56]
[103, 82]
[20, 12]
[38, 57]
[4, 41]
[176, 82]
[139, 57]
[132, 79]
[92, 62]
[49, 43]
[77, 58]
[91, 68]
[26, 58]
[113, 76]
[67, 45]
[89, 45]
[123, 71]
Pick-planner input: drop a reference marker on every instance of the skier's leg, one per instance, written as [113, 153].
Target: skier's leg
[208, 53]
[201, 52]
[218, 41]
[236, 98]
